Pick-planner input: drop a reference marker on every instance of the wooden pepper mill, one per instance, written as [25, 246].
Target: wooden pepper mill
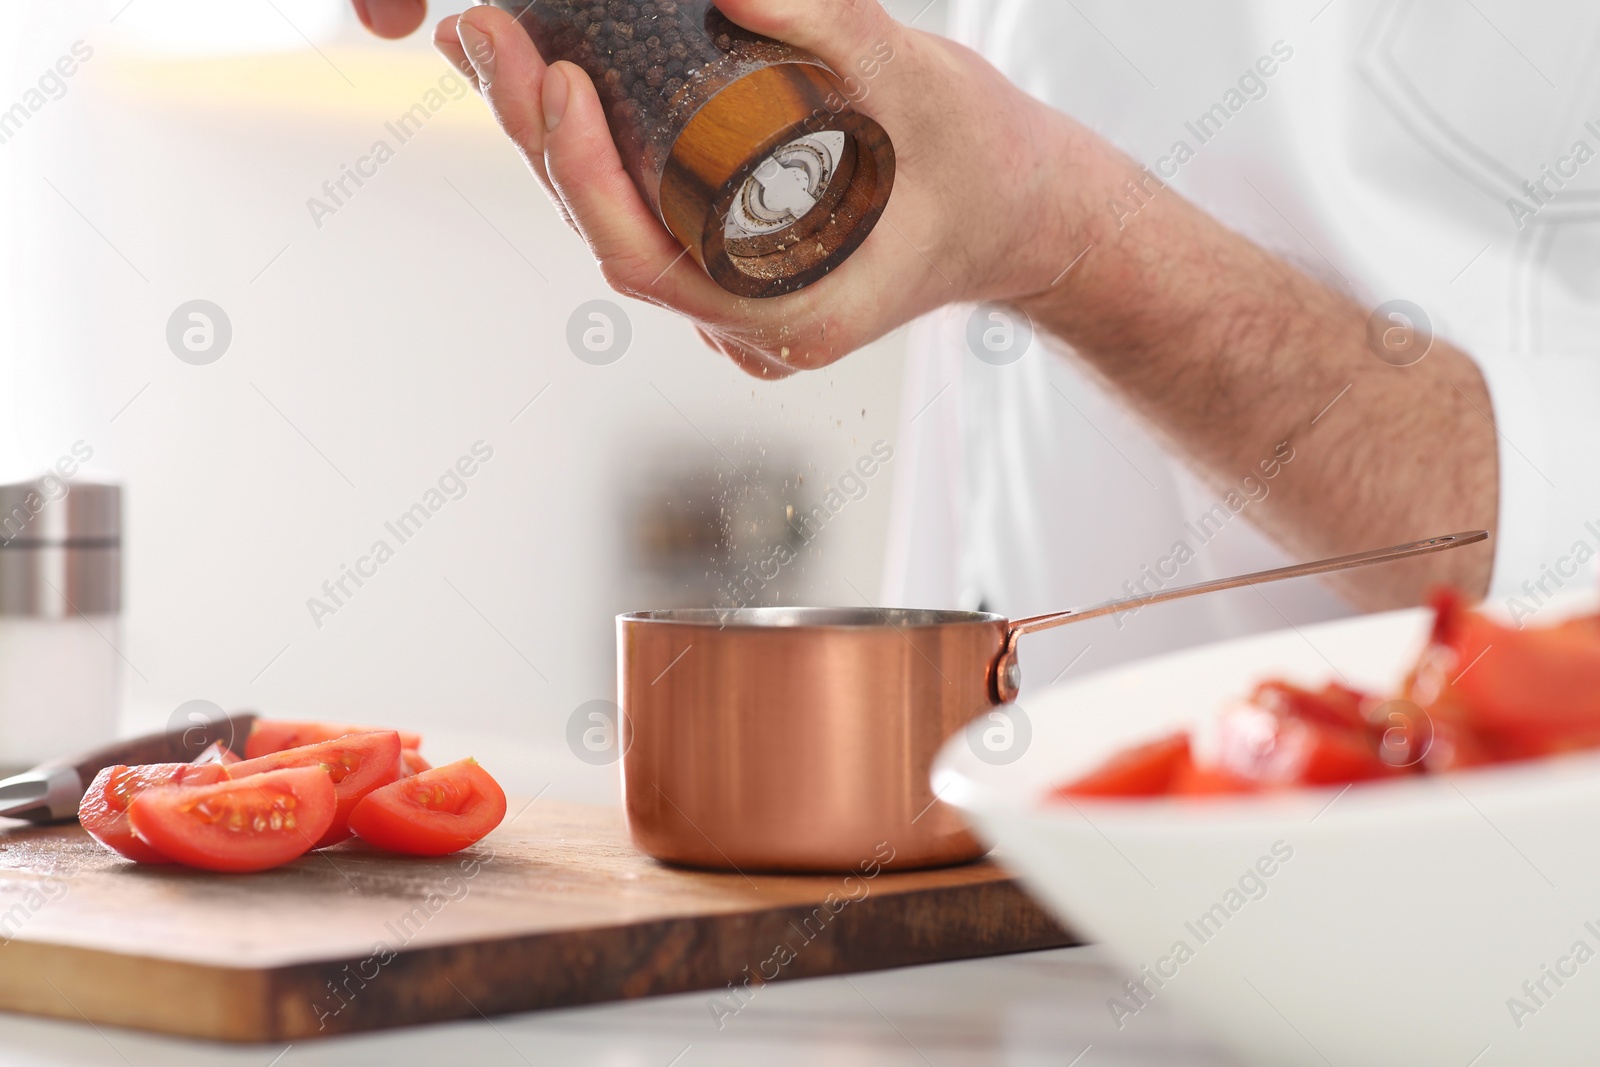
[748, 150]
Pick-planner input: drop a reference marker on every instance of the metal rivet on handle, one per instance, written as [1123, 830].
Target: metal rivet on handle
[1008, 679]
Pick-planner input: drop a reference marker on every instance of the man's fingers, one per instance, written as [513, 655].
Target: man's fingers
[510, 73]
[448, 44]
[637, 255]
[391, 18]
[843, 33]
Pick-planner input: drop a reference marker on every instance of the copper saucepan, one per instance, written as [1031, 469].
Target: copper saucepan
[801, 739]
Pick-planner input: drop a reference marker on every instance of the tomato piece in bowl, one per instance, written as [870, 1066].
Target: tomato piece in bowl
[1256, 744]
[242, 824]
[1336, 706]
[1192, 779]
[1525, 692]
[277, 735]
[433, 813]
[103, 812]
[1144, 771]
[357, 764]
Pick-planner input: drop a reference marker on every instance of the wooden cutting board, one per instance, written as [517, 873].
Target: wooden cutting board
[554, 908]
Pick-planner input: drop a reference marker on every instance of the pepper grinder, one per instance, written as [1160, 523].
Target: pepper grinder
[748, 150]
[60, 616]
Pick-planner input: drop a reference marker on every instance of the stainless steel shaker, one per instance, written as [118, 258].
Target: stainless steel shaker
[60, 617]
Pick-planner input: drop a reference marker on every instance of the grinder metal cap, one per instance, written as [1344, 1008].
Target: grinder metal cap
[60, 548]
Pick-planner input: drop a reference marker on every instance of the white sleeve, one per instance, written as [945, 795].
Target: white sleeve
[1547, 418]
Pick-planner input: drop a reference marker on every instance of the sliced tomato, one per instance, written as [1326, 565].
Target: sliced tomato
[1191, 779]
[1536, 689]
[1454, 747]
[104, 808]
[433, 813]
[216, 752]
[357, 763]
[1333, 705]
[243, 824]
[1337, 757]
[1582, 625]
[1272, 750]
[1144, 771]
[411, 762]
[1481, 692]
[276, 735]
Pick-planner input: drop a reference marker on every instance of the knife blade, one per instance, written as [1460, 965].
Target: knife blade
[51, 791]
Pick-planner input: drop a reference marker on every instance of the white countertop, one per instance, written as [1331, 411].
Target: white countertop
[1038, 1008]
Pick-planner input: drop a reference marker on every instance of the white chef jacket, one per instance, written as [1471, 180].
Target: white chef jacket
[1386, 154]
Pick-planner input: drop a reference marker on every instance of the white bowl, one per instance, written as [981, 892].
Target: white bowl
[1399, 921]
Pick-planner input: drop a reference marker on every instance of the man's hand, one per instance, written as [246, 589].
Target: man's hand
[959, 226]
[1224, 349]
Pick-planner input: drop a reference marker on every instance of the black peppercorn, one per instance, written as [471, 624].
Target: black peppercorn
[739, 143]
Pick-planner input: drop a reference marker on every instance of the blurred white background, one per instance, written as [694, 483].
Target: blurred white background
[368, 354]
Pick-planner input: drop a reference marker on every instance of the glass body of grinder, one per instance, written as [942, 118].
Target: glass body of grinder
[750, 151]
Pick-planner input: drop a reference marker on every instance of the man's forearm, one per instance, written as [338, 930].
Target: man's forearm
[1226, 351]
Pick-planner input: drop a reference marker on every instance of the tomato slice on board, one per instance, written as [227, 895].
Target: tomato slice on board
[276, 735]
[242, 824]
[433, 813]
[104, 808]
[215, 752]
[357, 764]
[411, 762]
[1145, 771]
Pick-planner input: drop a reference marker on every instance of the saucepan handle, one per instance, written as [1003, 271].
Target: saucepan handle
[1007, 673]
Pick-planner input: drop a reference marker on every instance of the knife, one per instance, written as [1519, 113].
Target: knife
[51, 791]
